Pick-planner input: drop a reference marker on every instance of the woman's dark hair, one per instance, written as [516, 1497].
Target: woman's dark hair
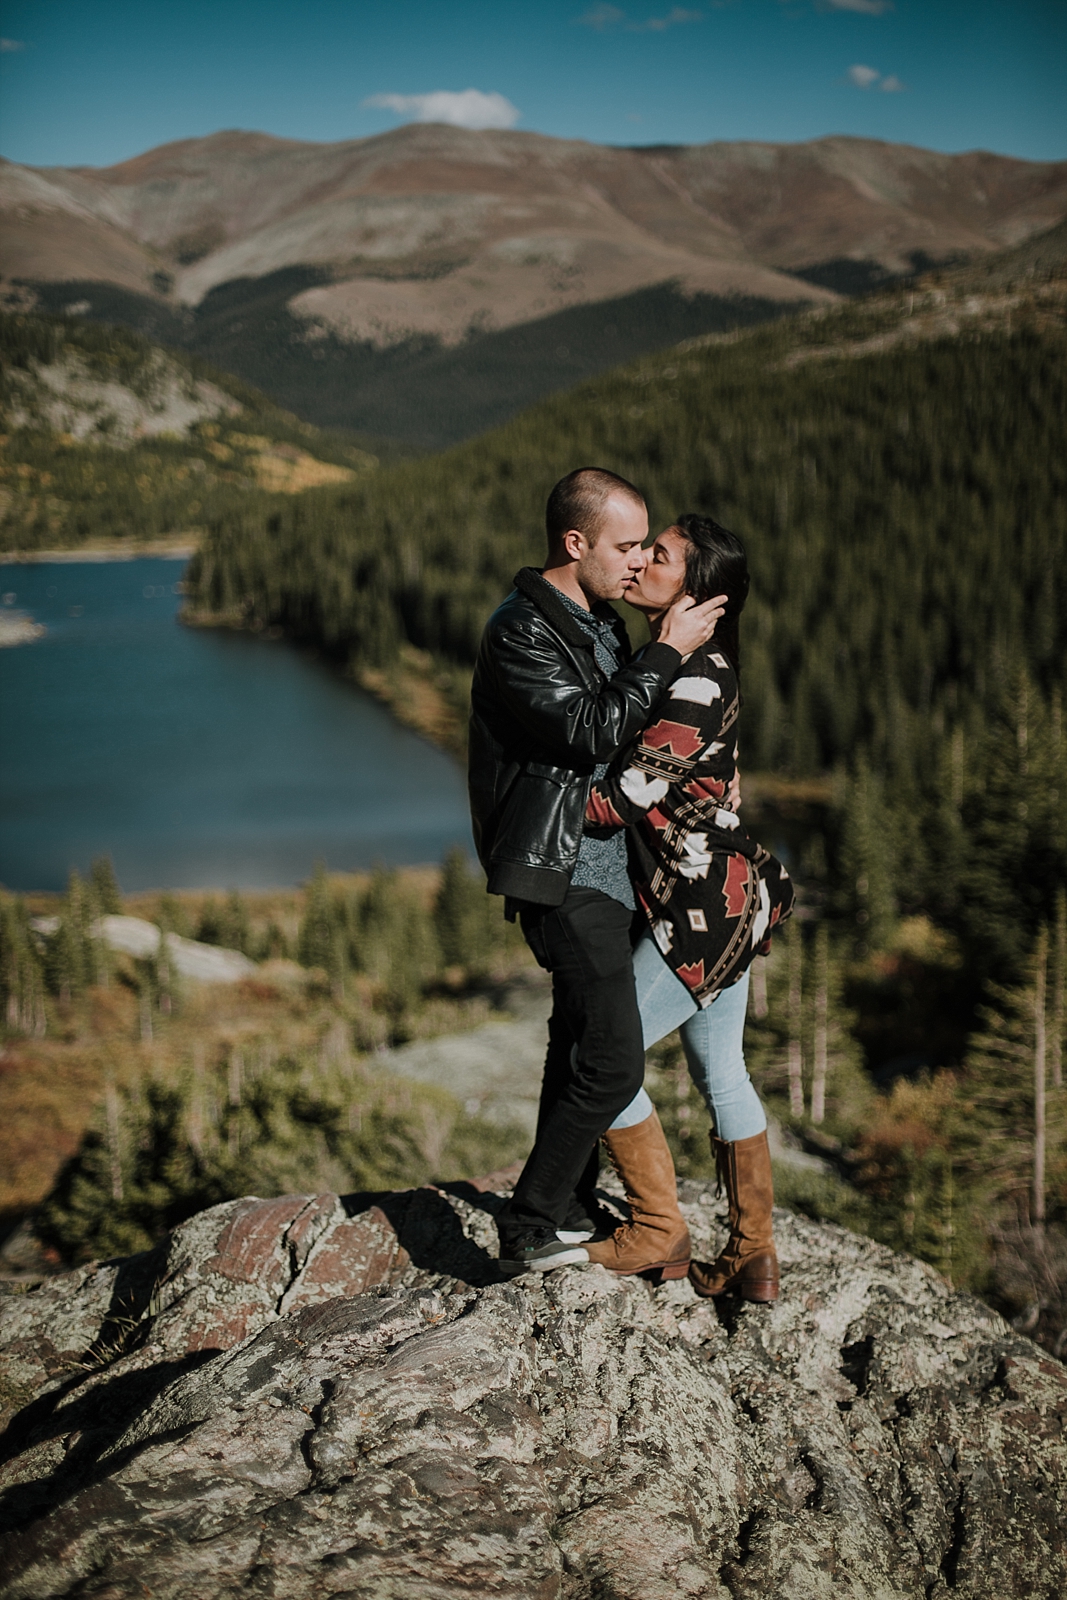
[715, 563]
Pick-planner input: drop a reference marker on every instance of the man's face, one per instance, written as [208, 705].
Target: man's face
[606, 570]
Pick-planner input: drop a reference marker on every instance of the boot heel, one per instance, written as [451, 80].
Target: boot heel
[674, 1269]
[764, 1294]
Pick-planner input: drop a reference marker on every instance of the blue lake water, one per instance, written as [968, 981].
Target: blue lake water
[193, 758]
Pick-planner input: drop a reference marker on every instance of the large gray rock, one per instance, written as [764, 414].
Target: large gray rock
[310, 1397]
[208, 963]
[133, 936]
[496, 1069]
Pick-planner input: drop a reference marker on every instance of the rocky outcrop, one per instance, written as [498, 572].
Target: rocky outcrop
[192, 959]
[133, 936]
[16, 627]
[70, 397]
[324, 1396]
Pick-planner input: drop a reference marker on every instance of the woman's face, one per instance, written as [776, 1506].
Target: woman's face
[662, 580]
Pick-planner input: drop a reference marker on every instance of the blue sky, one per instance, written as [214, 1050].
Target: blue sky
[90, 82]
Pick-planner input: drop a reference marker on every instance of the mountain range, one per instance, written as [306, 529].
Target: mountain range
[423, 284]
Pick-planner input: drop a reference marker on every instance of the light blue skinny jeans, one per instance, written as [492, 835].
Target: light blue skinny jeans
[712, 1037]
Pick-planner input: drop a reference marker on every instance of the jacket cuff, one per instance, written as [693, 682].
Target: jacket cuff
[663, 659]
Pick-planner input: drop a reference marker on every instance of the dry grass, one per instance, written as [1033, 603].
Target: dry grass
[51, 1088]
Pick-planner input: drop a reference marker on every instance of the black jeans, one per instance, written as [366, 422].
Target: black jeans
[596, 1059]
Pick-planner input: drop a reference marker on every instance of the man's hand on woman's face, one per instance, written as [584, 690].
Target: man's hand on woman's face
[686, 626]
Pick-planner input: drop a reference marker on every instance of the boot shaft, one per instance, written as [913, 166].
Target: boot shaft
[744, 1171]
[642, 1158]
[656, 1237]
[748, 1265]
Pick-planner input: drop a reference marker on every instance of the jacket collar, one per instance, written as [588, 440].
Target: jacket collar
[545, 596]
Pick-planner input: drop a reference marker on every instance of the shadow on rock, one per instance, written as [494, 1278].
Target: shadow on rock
[431, 1232]
[89, 1425]
[124, 1328]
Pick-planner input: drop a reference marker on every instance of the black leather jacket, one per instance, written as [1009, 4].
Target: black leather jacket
[542, 716]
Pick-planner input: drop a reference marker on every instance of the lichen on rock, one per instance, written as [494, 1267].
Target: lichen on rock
[312, 1396]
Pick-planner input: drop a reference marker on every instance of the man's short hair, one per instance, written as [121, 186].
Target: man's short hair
[578, 501]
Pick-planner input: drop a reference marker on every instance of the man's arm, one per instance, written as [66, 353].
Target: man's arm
[582, 725]
[572, 723]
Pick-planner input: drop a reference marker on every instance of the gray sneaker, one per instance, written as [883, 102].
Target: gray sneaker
[586, 1223]
[539, 1250]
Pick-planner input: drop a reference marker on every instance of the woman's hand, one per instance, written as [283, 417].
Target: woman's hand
[733, 793]
[686, 625]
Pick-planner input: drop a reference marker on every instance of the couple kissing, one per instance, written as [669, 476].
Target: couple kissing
[604, 798]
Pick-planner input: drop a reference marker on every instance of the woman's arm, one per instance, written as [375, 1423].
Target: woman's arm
[678, 758]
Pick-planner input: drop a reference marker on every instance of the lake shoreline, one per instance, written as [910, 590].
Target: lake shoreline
[159, 549]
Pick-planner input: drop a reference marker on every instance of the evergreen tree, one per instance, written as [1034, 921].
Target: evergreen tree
[867, 859]
[22, 977]
[835, 1057]
[235, 930]
[1015, 814]
[461, 914]
[105, 887]
[794, 1050]
[1006, 1141]
[163, 975]
[923, 1198]
[398, 946]
[172, 914]
[317, 940]
[820, 1052]
[273, 944]
[209, 926]
[134, 1176]
[70, 961]
[159, 1151]
[1058, 988]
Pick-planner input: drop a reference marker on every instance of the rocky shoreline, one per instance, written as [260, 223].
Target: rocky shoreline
[16, 627]
[178, 549]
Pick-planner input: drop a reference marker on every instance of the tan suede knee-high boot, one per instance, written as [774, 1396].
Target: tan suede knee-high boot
[656, 1238]
[749, 1264]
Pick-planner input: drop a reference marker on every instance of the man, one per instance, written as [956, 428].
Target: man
[555, 695]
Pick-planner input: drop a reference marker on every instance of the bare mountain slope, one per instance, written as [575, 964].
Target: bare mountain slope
[424, 285]
[429, 228]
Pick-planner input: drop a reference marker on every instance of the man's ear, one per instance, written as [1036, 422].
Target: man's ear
[575, 544]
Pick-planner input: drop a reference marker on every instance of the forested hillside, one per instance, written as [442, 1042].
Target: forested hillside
[412, 393]
[896, 469]
[104, 436]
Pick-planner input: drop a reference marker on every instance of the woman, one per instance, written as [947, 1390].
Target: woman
[711, 895]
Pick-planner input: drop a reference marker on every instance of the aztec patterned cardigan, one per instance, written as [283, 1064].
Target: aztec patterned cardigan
[711, 894]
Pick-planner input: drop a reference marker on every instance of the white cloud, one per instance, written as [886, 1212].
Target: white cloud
[467, 108]
[7, 45]
[867, 78]
[863, 77]
[601, 17]
[869, 8]
[674, 16]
